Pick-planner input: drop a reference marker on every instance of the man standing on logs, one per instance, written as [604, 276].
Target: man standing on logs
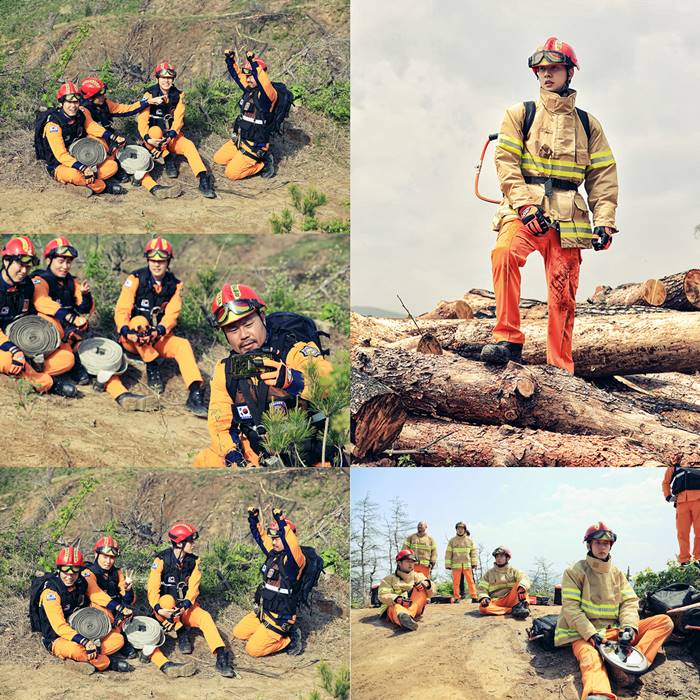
[545, 151]
[682, 488]
[424, 547]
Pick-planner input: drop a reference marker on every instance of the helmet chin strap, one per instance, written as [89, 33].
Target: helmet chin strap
[6, 270]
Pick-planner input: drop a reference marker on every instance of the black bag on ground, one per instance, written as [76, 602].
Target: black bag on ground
[545, 627]
[692, 618]
[35, 590]
[674, 595]
[309, 577]
[374, 596]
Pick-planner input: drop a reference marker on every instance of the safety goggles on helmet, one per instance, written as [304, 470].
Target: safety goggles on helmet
[24, 259]
[194, 536]
[109, 551]
[607, 535]
[64, 251]
[231, 311]
[70, 97]
[157, 255]
[165, 73]
[66, 569]
[546, 58]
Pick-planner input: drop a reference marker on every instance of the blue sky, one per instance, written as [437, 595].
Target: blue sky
[534, 512]
[431, 79]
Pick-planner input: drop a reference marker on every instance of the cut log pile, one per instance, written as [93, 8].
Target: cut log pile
[420, 395]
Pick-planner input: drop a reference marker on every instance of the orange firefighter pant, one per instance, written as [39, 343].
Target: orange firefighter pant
[456, 579]
[652, 633]
[261, 640]
[58, 362]
[418, 598]
[181, 146]
[422, 569]
[504, 604]
[238, 165]
[172, 347]
[71, 176]
[64, 649]
[195, 617]
[513, 245]
[687, 516]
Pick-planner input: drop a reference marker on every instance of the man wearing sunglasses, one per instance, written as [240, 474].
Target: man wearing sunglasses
[540, 169]
[16, 300]
[283, 346]
[62, 594]
[160, 127]
[146, 315]
[63, 127]
[248, 152]
[173, 590]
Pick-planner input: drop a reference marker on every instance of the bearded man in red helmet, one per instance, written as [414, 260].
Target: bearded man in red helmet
[598, 604]
[173, 590]
[545, 151]
[283, 345]
[161, 128]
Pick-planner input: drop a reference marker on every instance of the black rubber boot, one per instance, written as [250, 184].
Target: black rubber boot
[195, 401]
[135, 182]
[137, 402]
[79, 374]
[521, 610]
[165, 192]
[122, 175]
[112, 187]
[173, 669]
[205, 186]
[407, 622]
[184, 643]
[475, 600]
[294, 648]
[62, 386]
[501, 353]
[119, 665]
[171, 166]
[268, 170]
[223, 663]
[154, 379]
[128, 651]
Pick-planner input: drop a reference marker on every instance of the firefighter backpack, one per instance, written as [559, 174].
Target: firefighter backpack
[542, 631]
[309, 576]
[674, 595]
[35, 590]
[285, 100]
[286, 329]
[41, 150]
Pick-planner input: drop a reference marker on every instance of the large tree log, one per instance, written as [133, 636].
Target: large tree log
[651, 293]
[683, 291]
[450, 309]
[537, 397]
[662, 341]
[483, 304]
[506, 446]
[377, 415]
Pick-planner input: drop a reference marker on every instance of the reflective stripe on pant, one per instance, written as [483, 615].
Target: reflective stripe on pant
[172, 347]
[71, 176]
[419, 598]
[456, 577]
[504, 604]
[195, 617]
[58, 362]
[64, 649]
[182, 146]
[652, 633]
[687, 516]
[238, 165]
[262, 641]
[513, 245]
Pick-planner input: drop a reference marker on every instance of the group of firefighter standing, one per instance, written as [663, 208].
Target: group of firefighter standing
[173, 588]
[598, 603]
[281, 346]
[85, 111]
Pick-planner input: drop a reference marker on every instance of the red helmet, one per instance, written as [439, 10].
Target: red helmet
[406, 554]
[70, 556]
[107, 545]
[259, 61]
[273, 527]
[91, 87]
[60, 247]
[600, 531]
[182, 532]
[20, 247]
[158, 249]
[553, 52]
[234, 302]
[66, 89]
[165, 70]
[502, 550]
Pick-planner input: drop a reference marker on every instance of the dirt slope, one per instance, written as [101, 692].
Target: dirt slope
[467, 656]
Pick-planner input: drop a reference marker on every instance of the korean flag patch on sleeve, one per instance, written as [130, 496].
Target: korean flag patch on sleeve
[50, 596]
[54, 129]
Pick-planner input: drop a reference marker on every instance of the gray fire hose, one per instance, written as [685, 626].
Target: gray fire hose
[102, 358]
[135, 160]
[88, 151]
[144, 633]
[35, 337]
[628, 660]
[90, 623]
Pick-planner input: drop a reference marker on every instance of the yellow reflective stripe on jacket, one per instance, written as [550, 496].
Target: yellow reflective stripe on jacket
[510, 143]
[571, 593]
[575, 229]
[600, 611]
[542, 166]
[600, 159]
[564, 633]
[461, 549]
[628, 594]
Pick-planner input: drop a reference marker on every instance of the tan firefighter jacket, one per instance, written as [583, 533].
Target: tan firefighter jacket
[424, 548]
[460, 553]
[399, 584]
[595, 595]
[498, 581]
[557, 147]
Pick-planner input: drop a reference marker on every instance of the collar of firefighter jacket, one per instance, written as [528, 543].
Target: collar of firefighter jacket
[556, 104]
[600, 567]
[406, 576]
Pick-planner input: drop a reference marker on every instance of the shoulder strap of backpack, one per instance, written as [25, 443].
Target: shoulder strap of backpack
[530, 110]
[583, 116]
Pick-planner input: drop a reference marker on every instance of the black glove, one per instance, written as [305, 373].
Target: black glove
[484, 602]
[626, 637]
[534, 220]
[604, 240]
[596, 640]
[253, 515]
